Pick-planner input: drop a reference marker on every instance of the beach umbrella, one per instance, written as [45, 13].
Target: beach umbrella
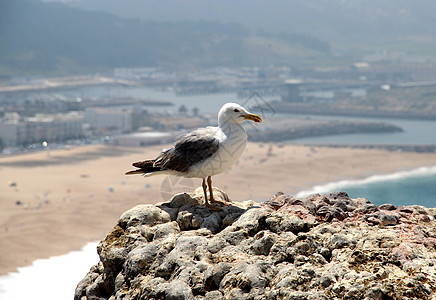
[12, 184]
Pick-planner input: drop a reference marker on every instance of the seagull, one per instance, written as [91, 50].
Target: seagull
[203, 152]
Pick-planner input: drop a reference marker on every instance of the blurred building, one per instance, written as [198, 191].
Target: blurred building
[140, 139]
[292, 93]
[15, 131]
[54, 127]
[109, 120]
[135, 73]
[12, 130]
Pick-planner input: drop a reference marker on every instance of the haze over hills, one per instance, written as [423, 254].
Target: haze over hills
[51, 38]
[336, 20]
[87, 36]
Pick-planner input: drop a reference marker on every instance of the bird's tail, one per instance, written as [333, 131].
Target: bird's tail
[144, 167]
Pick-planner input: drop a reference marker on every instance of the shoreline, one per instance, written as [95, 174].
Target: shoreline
[75, 196]
[416, 148]
[376, 178]
[316, 109]
[41, 272]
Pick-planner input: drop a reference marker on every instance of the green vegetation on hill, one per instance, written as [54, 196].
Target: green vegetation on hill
[54, 39]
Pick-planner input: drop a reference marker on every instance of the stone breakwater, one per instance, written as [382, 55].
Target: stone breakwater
[320, 128]
[321, 247]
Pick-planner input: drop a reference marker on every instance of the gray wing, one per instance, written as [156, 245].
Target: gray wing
[189, 150]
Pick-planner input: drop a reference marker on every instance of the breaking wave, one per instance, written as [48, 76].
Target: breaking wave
[340, 185]
[54, 278]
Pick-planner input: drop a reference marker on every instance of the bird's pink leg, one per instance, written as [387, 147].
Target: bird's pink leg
[212, 200]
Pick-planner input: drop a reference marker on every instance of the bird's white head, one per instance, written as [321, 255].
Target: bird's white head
[235, 113]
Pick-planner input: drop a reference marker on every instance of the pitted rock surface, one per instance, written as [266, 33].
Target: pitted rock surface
[320, 247]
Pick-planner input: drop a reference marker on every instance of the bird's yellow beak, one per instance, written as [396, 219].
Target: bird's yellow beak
[252, 117]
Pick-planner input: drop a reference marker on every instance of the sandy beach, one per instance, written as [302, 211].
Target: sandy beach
[56, 201]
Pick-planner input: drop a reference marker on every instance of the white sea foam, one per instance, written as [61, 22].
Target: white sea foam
[54, 278]
[338, 185]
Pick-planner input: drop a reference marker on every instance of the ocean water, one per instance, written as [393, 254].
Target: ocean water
[54, 278]
[401, 188]
[417, 186]
[207, 103]
[415, 132]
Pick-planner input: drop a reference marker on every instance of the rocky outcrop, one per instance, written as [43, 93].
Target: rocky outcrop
[321, 247]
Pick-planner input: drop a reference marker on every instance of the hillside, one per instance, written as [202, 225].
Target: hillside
[52, 38]
[357, 21]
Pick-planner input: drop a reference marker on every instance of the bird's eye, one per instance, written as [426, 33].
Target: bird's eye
[236, 110]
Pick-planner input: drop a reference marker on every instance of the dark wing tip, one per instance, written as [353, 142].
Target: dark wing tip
[143, 164]
[135, 172]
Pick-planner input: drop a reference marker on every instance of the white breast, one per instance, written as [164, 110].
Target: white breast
[233, 142]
